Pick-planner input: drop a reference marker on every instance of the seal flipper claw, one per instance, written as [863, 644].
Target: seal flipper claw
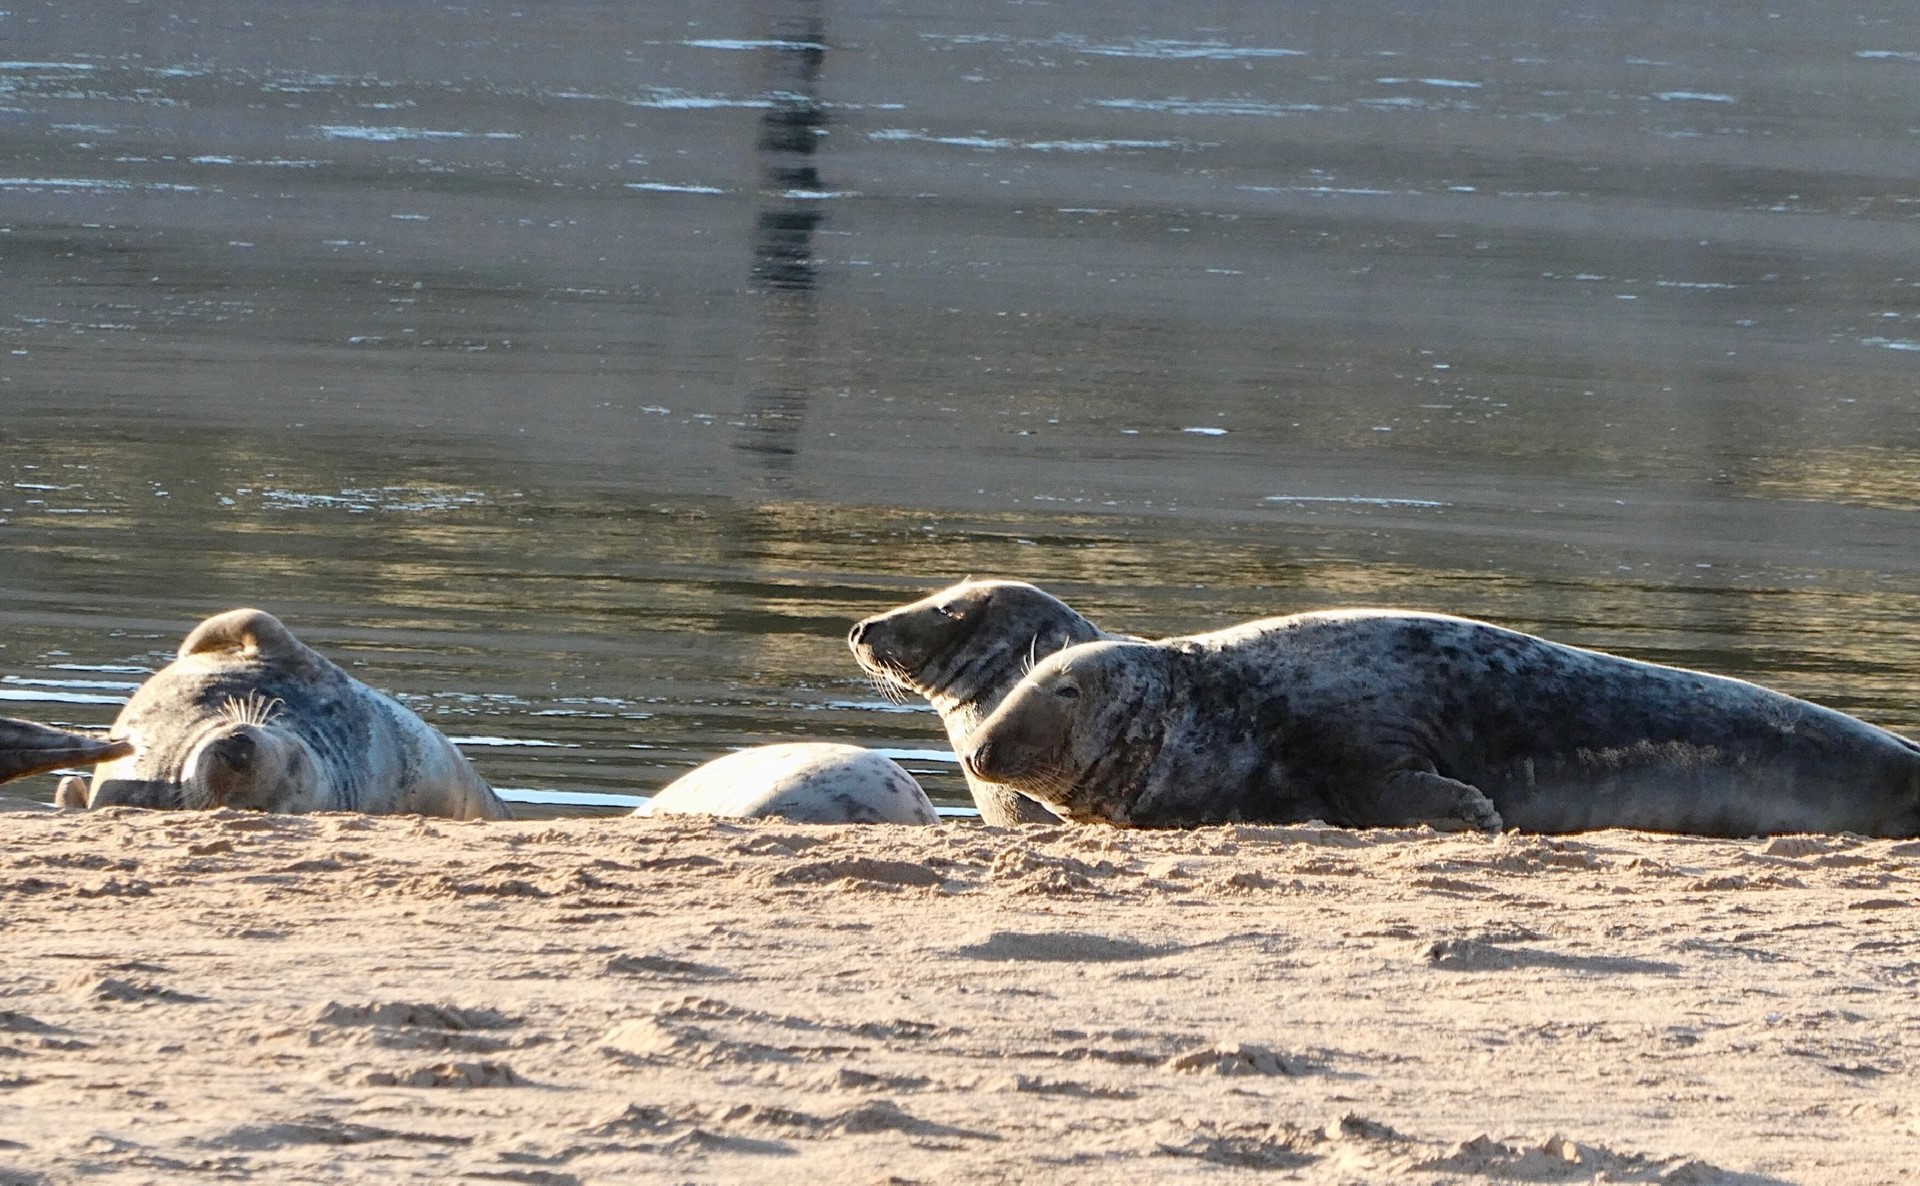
[1412, 797]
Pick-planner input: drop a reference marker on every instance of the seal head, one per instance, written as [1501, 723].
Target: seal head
[963, 649]
[248, 716]
[1081, 730]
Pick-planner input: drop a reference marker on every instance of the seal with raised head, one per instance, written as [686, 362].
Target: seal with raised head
[1376, 718]
[27, 748]
[248, 716]
[808, 782]
[963, 649]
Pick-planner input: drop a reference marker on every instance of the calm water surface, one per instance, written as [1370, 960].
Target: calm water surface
[580, 372]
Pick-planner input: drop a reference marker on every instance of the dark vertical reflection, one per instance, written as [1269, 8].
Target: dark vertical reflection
[790, 211]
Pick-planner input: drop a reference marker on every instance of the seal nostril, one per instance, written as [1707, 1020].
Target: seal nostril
[858, 634]
[236, 752]
[978, 757]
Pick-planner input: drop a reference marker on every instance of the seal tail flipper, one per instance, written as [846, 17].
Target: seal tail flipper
[248, 632]
[27, 748]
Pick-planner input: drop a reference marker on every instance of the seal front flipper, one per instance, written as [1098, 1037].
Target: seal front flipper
[27, 748]
[1408, 798]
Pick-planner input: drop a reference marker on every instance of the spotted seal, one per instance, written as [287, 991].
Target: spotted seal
[963, 649]
[248, 716]
[809, 782]
[1373, 718]
[27, 748]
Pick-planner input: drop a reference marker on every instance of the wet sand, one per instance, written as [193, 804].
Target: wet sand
[338, 998]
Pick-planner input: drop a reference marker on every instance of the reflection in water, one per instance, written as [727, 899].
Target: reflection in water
[790, 211]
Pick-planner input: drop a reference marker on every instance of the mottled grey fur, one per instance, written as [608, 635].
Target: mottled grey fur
[1373, 718]
[249, 716]
[809, 782]
[963, 649]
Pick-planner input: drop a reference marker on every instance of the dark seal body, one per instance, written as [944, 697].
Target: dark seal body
[27, 748]
[1373, 718]
[248, 716]
[963, 649]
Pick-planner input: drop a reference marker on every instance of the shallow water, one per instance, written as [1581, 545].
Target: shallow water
[580, 373]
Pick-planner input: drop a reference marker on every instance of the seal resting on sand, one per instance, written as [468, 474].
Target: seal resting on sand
[1376, 718]
[963, 649]
[248, 716]
[27, 748]
[809, 782]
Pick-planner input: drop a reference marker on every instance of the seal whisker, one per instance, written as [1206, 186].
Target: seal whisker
[890, 679]
[255, 708]
[886, 688]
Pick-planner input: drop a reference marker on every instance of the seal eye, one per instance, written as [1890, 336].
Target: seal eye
[951, 609]
[1067, 692]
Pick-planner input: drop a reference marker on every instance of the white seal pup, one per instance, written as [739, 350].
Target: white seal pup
[27, 748]
[1375, 718]
[808, 782]
[248, 716]
[963, 649]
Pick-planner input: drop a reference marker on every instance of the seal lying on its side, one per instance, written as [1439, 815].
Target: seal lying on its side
[1373, 718]
[963, 649]
[27, 748]
[809, 782]
[249, 716]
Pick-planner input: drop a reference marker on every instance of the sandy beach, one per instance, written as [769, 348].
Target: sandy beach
[343, 998]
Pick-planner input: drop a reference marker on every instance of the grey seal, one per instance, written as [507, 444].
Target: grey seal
[1376, 718]
[248, 716]
[809, 782]
[963, 649]
[27, 748]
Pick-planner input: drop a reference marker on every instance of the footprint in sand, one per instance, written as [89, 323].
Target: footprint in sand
[450, 1074]
[317, 1130]
[112, 990]
[1239, 1058]
[20, 1023]
[665, 968]
[1364, 1149]
[409, 1025]
[1068, 1088]
[1061, 947]
[414, 1015]
[1478, 955]
[860, 871]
